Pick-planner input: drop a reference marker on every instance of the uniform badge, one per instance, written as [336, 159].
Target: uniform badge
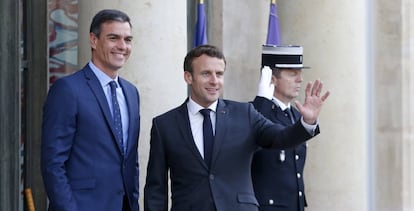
[282, 155]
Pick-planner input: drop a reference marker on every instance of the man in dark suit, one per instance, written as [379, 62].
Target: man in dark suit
[207, 177]
[278, 173]
[91, 127]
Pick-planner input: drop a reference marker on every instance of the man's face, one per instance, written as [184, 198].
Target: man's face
[207, 79]
[287, 86]
[113, 46]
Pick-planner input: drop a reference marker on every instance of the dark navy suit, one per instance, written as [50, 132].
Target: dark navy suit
[278, 174]
[227, 185]
[83, 166]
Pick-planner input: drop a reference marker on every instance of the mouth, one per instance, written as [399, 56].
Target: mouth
[212, 90]
[119, 55]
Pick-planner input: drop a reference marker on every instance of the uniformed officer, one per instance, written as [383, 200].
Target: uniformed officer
[278, 174]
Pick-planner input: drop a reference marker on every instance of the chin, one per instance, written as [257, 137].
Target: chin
[118, 66]
[211, 100]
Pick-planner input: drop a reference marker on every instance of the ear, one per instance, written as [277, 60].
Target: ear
[93, 40]
[188, 77]
[274, 80]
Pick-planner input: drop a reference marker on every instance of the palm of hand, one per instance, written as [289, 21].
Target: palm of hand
[313, 102]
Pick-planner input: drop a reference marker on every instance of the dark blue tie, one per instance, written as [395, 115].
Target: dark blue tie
[116, 115]
[207, 135]
[288, 111]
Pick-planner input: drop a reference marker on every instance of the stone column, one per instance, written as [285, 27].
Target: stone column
[156, 64]
[239, 29]
[394, 126]
[408, 104]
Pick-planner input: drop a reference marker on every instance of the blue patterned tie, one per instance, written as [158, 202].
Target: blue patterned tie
[207, 135]
[116, 115]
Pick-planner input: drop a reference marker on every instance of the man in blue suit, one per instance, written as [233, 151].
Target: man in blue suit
[278, 173]
[215, 176]
[91, 125]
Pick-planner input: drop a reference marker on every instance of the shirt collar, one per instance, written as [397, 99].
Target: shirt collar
[103, 78]
[280, 104]
[193, 107]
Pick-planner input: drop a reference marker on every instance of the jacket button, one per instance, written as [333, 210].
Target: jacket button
[297, 157]
[271, 201]
[211, 177]
[300, 193]
[298, 175]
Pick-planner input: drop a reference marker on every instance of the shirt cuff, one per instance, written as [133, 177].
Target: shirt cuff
[310, 128]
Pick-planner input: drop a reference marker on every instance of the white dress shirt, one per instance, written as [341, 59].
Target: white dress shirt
[196, 122]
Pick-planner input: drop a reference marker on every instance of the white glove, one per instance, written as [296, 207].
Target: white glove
[266, 88]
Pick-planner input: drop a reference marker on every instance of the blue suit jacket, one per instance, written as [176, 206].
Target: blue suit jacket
[82, 164]
[275, 180]
[227, 185]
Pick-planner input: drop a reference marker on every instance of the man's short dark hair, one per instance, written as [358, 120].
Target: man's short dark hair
[107, 15]
[208, 50]
[276, 72]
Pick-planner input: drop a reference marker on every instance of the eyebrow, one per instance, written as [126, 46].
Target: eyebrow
[117, 35]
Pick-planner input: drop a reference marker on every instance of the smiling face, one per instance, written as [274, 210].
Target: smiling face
[287, 84]
[112, 48]
[206, 80]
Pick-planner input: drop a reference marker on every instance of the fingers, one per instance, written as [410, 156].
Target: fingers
[326, 95]
[266, 75]
[316, 88]
[266, 87]
[308, 89]
[298, 106]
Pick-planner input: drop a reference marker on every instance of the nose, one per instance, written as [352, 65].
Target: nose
[299, 78]
[213, 78]
[121, 44]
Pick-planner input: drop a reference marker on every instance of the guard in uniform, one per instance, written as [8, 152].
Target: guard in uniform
[278, 174]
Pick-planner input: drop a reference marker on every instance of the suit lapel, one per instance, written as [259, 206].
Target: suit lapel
[132, 103]
[296, 113]
[279, 116]
[222, 120]
[183, 123]
[96, 88]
